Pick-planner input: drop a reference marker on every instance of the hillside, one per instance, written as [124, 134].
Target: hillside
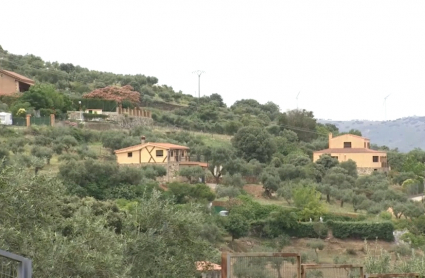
[278, 198]
[404, 134]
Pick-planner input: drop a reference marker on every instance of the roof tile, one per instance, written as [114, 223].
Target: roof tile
[18, 76]
[161, 145]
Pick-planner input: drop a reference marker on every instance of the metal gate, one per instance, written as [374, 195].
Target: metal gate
[393, 275]
[264, 265]
[14, 266]
[331, 271]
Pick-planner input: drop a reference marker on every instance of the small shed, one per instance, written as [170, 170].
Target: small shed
[5, 118]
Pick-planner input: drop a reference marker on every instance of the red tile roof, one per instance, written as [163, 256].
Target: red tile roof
[166, 146]
[18, 77]
[349, 150]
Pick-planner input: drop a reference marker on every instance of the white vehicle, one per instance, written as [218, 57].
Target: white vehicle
[223, 213]
[5, 118]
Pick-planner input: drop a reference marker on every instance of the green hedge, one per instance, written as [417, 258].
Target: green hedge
[94, 116]
[95, 103]
[304, 230]
[362, 230]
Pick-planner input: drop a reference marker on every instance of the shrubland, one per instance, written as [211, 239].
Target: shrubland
[65, 199]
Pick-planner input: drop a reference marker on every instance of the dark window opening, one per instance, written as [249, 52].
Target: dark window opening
[365, 145]
[375, 170]
[368, 145]
[375, 159]
[159, 153]
[347, 145]
[336, 157]
[172, 153]
[129, 154]
[182, 153]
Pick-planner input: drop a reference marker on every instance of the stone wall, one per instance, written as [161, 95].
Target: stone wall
[363, 171]
[124, 121]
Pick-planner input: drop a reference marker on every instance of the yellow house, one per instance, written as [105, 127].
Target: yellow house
[171, 156]
[356, 148]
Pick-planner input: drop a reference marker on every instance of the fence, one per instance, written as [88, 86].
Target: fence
[331, 271]
[14, 266]
[40, 120]
[28, 120]
[389, 275]
[19, 121]
[280, 265]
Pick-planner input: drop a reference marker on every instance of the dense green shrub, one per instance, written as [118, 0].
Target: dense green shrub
[304, 230]
[362, 230]
[90, 116]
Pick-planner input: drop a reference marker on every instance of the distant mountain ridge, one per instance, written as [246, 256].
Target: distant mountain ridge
[405, 133]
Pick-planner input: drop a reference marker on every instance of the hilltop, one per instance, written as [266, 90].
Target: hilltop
[404, 134]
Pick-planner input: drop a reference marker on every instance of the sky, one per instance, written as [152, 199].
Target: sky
[342, 57]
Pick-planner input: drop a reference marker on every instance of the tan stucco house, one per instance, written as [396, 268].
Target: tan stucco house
[356, 148]
[11, 82]
[171, 156]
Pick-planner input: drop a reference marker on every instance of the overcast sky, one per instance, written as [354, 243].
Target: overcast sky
[343, 56]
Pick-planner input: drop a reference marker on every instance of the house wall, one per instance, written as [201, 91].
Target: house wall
[94, 111]
[151, 157]
[363, 160]
[356, 142]
[143, 156]
[8, 85]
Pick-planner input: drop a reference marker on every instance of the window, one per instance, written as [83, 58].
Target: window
[171, 153]
[129, 154]
[375, 159]
[368, 145]
[347, 145]
[365, 145]
[159, 153]
[336, 157]
[182, 153]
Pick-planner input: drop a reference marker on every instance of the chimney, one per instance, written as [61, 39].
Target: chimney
[330, 138]
[142, 139]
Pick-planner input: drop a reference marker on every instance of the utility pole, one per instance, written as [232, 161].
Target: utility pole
[297, 99]
[199, 73]
[385, 106]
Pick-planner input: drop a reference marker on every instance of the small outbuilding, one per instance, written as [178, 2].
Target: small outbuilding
[5, 118]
